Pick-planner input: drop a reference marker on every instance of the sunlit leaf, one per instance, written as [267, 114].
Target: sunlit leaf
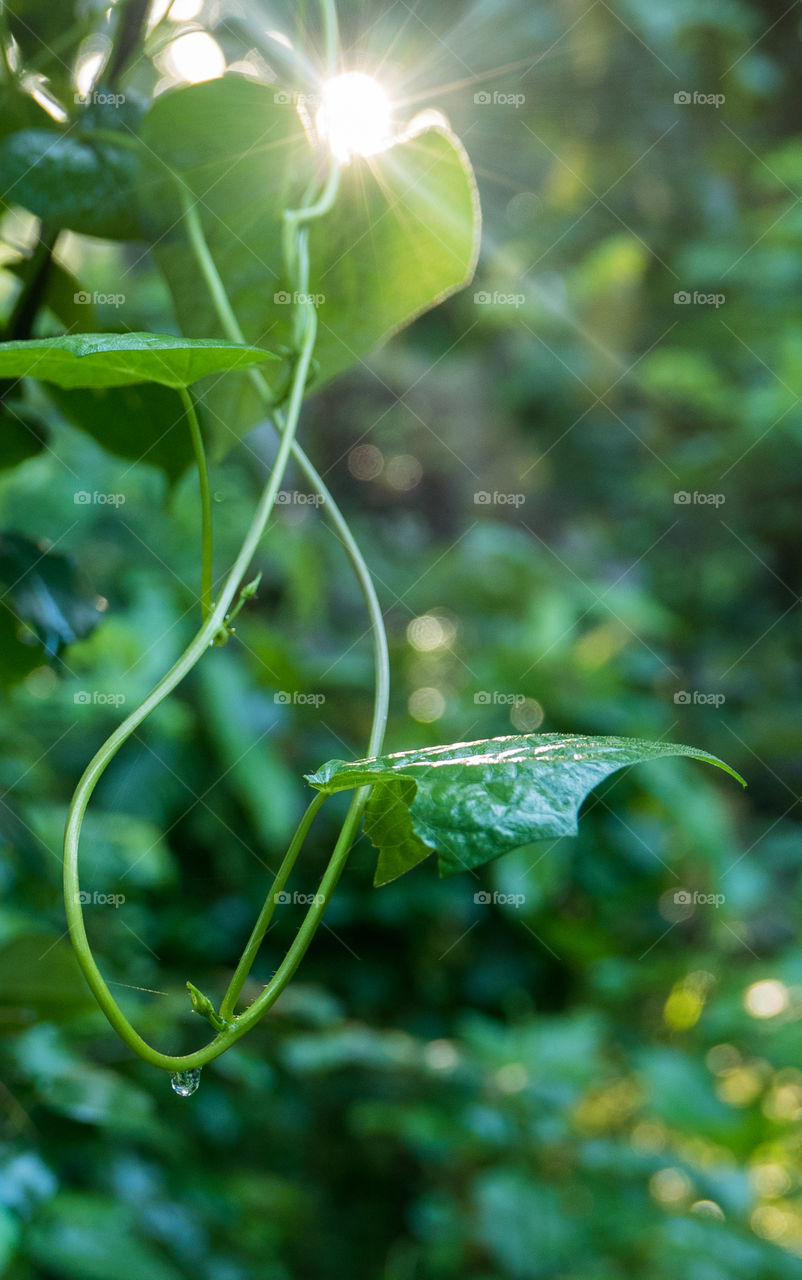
[403, 233]
[472, 801]
[122, 359]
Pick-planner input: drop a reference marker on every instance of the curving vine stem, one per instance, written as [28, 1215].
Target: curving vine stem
[229, 1026]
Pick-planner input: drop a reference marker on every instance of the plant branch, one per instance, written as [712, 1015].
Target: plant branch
[22, 318]
[331, 37]
[207, 535]
[231, 328]
[297, 264]
[130, 29]
[94, 771]
[266, 914]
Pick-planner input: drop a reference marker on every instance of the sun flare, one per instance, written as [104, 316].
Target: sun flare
[355, 116]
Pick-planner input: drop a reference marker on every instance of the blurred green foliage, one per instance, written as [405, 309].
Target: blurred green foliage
[601, 1080]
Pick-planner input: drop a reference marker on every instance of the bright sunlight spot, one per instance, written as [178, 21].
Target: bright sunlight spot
[766, 999]
[429, 632]
[355, 116]
[92, 58]
[185, 10]
[426, 705]
[669, 1186]
[195, 57]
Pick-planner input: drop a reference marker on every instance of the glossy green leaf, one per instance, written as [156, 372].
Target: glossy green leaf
[122, 359]
[472, 801]
[402, 235]
[72, 183]
[402, 238]
[389, 825]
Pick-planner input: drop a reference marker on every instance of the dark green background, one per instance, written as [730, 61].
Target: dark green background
[449, 1088]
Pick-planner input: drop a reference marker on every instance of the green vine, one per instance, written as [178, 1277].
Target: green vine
[466, 802]
[217, 620]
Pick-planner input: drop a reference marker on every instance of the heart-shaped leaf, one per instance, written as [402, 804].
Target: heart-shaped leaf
[472, 801]
[123, 359]
[402, 235]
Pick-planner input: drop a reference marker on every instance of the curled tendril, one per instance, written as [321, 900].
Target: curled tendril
[216, 628]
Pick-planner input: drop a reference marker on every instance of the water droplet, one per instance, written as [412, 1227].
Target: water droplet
[185, 1082]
